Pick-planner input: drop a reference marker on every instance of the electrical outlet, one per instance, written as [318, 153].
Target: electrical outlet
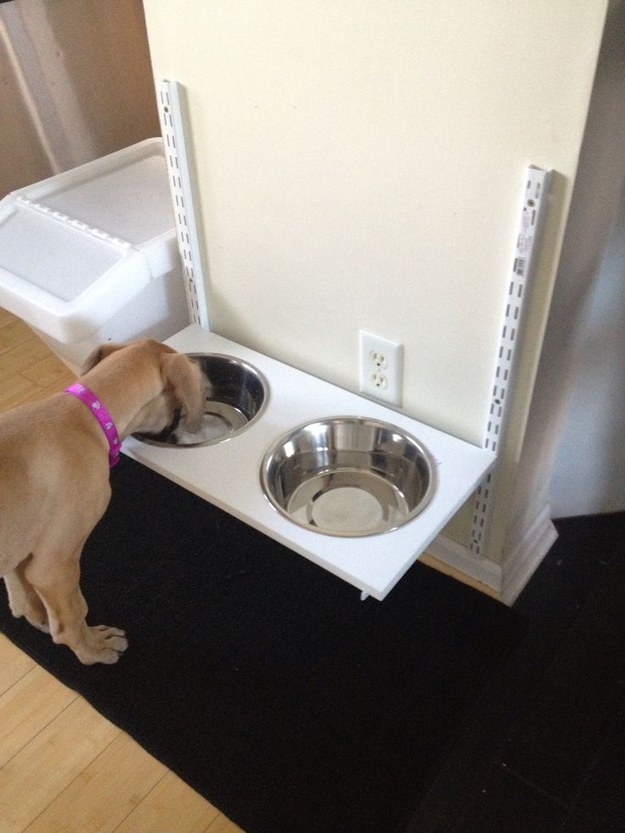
[381, 368]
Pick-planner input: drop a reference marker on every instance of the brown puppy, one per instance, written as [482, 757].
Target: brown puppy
[54, 482]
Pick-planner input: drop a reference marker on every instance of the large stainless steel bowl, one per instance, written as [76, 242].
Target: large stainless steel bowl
[348, 476]
[237, 394]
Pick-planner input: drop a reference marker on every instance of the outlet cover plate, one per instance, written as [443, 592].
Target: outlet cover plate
[381, 368]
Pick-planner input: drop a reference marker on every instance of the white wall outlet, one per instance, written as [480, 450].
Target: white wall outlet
[381, 368]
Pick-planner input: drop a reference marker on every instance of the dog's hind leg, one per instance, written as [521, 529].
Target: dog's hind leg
[56, 580]
[24, 600]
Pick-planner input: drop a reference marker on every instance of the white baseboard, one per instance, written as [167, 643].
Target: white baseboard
[464, 564]
[504, 581]
[526, 554]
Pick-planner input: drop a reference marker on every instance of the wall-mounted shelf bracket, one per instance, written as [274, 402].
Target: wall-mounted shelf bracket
[527, 245]
[175, 132]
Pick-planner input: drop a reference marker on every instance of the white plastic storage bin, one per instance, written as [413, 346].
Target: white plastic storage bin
[91, 255]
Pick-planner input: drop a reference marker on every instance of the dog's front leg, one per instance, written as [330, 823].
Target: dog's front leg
[57, 582]
[23, 598]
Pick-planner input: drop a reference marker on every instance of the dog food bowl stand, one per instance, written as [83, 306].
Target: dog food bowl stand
[83, 256]
[228, 474]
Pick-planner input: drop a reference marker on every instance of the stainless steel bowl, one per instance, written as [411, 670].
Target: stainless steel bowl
[237, 394]
[348, 476]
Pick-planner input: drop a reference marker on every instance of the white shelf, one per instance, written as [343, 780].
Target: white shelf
[228, 474]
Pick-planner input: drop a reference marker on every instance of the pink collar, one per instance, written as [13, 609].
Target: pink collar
[103, 417]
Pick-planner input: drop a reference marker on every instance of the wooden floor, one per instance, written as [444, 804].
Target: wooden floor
[63, 767]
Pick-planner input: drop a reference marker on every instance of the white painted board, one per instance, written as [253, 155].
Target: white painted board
[228, 474]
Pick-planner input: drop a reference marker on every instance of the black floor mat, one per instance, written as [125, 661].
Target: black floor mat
[264, 681]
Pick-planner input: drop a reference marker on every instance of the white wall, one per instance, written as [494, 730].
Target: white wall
[582, 351]
[360, 164]
[589, 470]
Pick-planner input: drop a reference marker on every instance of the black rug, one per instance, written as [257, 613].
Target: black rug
[262, 680]
[544, 750]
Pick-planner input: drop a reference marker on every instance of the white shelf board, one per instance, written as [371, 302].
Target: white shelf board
[228, 474]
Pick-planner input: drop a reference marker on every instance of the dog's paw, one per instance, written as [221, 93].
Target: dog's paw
[104, 644]
[37, 618]
[32, 610]
[41, 624]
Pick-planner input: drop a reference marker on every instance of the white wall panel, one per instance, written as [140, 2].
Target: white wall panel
[360, 165]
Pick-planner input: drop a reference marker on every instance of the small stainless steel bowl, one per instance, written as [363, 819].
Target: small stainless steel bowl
[237, 396]
[348, 476]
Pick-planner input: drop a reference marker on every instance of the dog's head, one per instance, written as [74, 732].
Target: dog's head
[166, 386]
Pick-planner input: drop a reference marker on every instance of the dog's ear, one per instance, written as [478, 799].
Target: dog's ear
[188, 384]
[99, 353]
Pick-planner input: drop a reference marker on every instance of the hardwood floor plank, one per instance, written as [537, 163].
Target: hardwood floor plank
[6, 317]
[13, 664]
[16, 359]
[47, 372]
[28, 707]
[47, 765]
[14, 333]
[172, 805]
[104, 793]
[29, 371]
[15, 390]
[223, 825]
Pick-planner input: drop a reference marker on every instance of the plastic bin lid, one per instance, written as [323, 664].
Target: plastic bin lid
[77, 247]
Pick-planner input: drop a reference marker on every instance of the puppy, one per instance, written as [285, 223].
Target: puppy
[54, 479]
